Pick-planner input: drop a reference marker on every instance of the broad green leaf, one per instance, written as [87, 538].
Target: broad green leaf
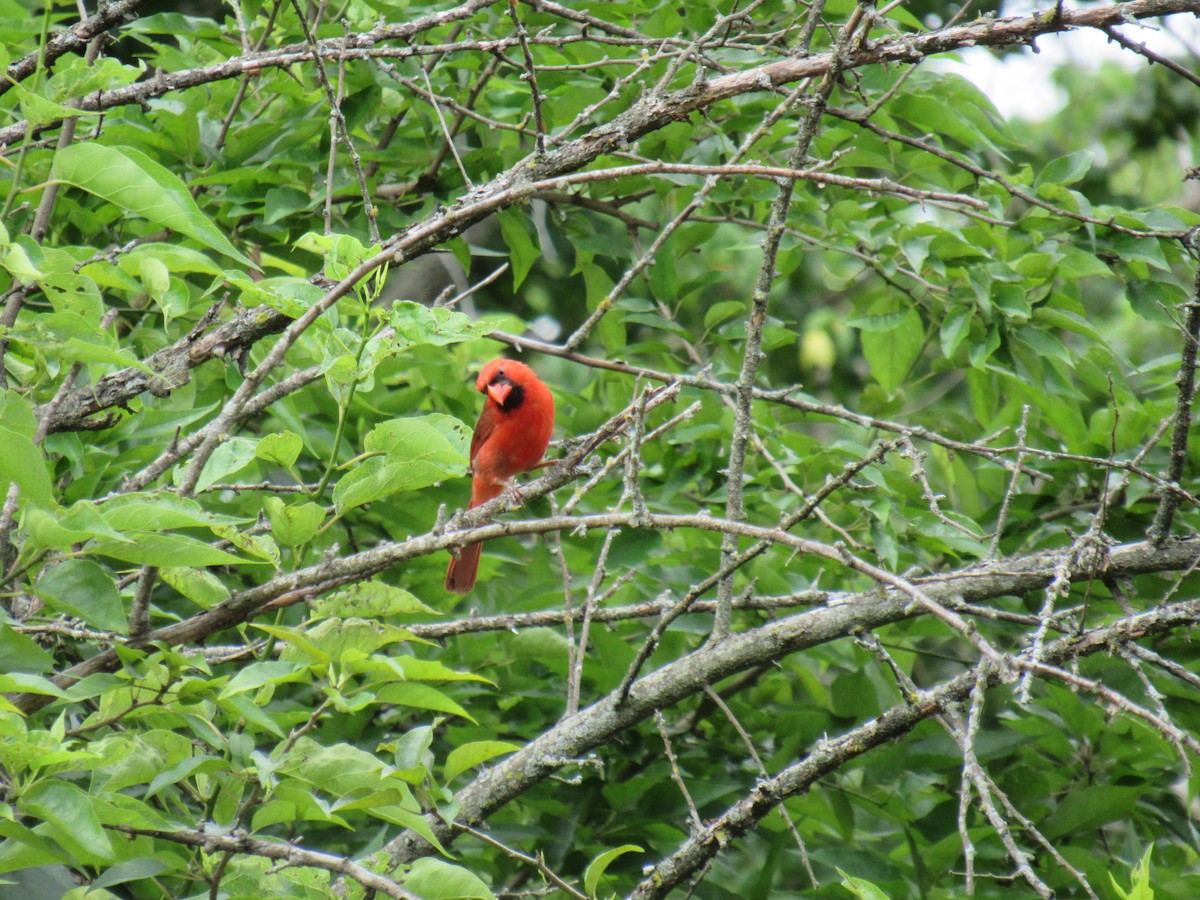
[148, 549]
[415, 325]
[203, 588]
[337, 769]
[1066, 169]
[723, 312]
[15, 259]
[522, 251]
[162, 511]
[262, 546]
[18, 682]
[416, 669]
[434, 879]
[59, 530]
[892, 353]
[342, 252]
[878, 324]
[421, 696]
[336, 637]
[133, 181]
[1091, 807]
[82, 588]
[294, 524]
[286, 294]
[19, 653]
[258, 674]
[72, 814]
[370, 599]
[861, 889]
[184, 769]
[417, 452]
[298, 645]
[255, 717]
[39, 110]
[954, 328]
[75, 76]
[130, 870]
[468, 756]
[231, 457]
[598, 866]
[22, 462]
[281, 447]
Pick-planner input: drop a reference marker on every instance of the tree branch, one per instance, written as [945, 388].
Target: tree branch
[289, 854]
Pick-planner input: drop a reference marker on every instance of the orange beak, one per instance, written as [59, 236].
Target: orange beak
[499, 392]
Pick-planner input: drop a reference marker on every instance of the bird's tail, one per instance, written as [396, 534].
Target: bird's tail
[460, 576]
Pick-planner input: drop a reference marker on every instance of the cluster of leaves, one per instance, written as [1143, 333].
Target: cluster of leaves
[1033, 330]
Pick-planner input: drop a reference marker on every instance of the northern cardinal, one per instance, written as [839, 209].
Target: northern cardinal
[511, 437]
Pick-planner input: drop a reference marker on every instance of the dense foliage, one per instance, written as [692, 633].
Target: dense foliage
[866, 567]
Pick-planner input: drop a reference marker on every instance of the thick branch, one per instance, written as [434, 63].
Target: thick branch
[169, 367]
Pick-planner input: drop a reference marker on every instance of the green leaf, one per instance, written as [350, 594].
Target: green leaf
[370, 599]
[597, 867]
[1139, 886]
[22, 462]
[417, 452]
[343, 252]
[955, 327]
[470, 755]
[861, 889]
[337, 769]
[434, 879]
[298, 644]
[417, 669]
[19, 653]
[1066, 169]
[891, 353]
[1090, 807]
[522, 251]
[294, 524]
[72, 814]
[417, 325]
[133, 181]
[232, 456]
[181, 770]
[281, 447]
[203, 588]
[39, 110]
[421, 696]
[162, 512]
[20, 682]
[262, 546]
[83, 588]
[723, 312]
[131, 870]
[336, 637]
[162, 550]
[258, 674]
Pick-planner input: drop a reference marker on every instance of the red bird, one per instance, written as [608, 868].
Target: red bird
[511, 437]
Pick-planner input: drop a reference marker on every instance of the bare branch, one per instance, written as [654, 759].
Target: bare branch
[289, 854]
